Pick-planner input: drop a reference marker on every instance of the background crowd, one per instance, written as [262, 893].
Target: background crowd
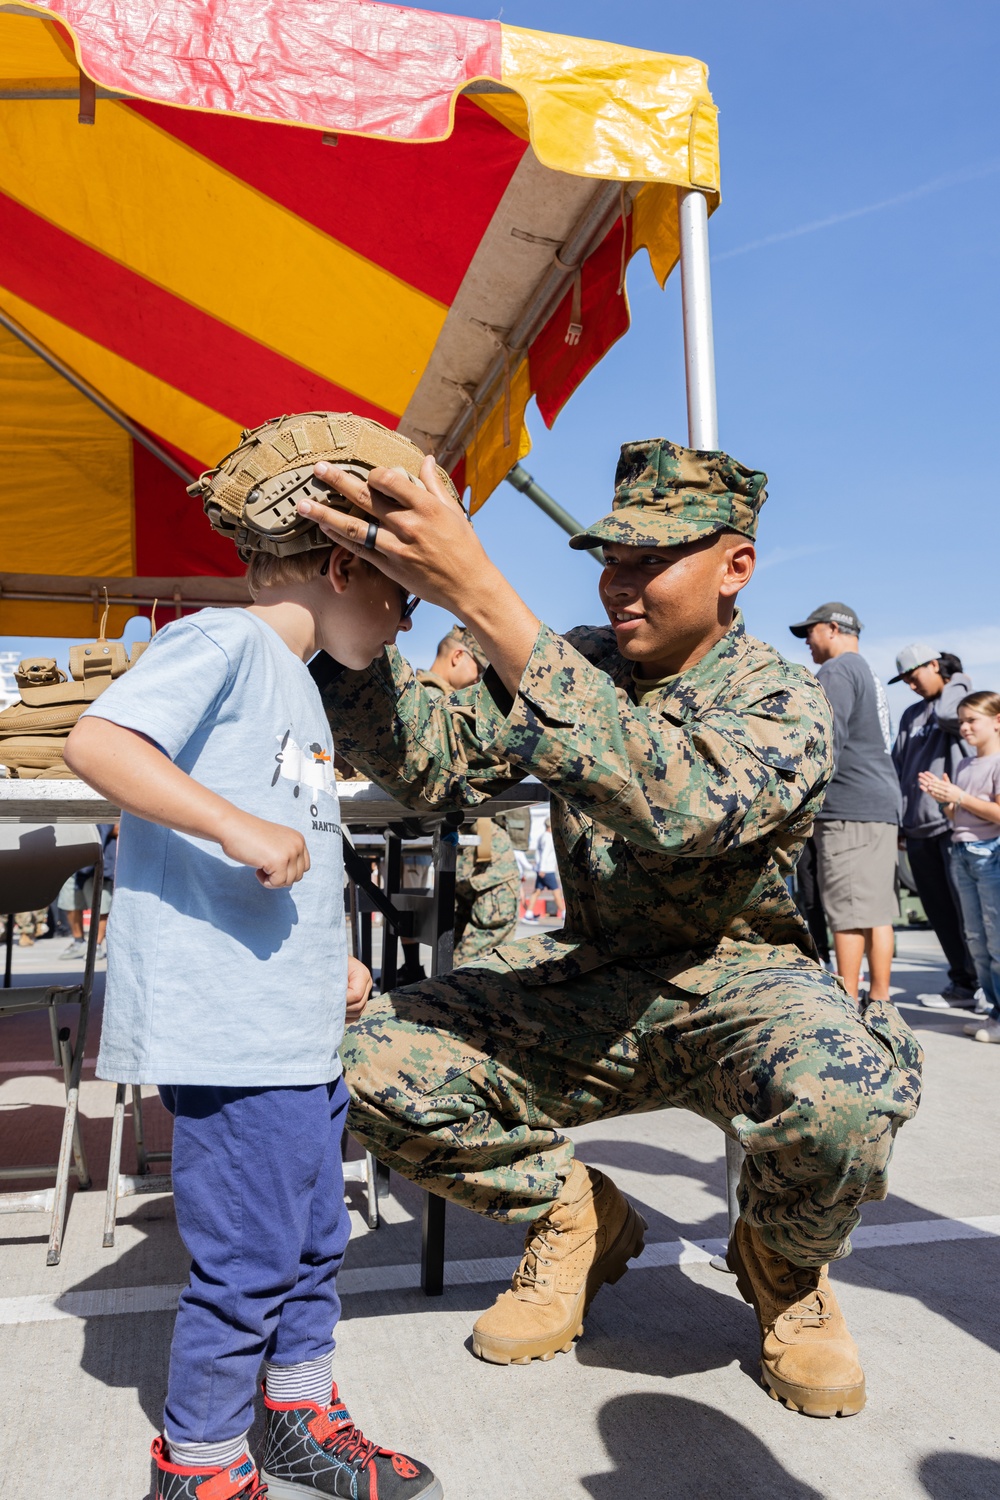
[923, 809]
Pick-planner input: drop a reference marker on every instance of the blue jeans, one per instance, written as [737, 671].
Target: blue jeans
[259, 1196]
[976, 868]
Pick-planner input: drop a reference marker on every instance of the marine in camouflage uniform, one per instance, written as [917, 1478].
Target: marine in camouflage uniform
[487, 880]
[684, 977]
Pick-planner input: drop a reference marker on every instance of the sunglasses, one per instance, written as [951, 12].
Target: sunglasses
[410, 601]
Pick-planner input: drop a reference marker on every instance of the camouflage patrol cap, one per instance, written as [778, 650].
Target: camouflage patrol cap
[460, 635]
[251, 494]
[665, 494]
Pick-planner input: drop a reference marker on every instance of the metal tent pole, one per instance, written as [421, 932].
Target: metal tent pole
[703, 432]
[523, 481]
[696, 299]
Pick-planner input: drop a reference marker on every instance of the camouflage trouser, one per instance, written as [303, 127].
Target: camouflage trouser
[463, 1083]
[484, 919]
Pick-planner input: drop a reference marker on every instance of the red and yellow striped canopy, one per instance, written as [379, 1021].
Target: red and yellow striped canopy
[300, 204]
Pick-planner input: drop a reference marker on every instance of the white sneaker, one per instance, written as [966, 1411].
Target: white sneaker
[102, 950]
[941, 1002]
[989, 1033]
[72, 948]
[982, 1006]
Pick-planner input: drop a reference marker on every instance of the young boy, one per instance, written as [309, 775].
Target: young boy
[228, 979]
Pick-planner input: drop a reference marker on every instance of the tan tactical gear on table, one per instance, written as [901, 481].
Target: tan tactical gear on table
[251, 495]
[34, 731]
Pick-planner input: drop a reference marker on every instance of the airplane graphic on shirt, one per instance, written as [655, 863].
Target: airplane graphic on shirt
[310, 767]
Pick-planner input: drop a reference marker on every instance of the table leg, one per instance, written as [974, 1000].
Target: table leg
[393, 884]
[432, 1246]
[445, 858]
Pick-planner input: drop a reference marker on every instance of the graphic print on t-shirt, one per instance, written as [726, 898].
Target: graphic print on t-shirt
[311, 767]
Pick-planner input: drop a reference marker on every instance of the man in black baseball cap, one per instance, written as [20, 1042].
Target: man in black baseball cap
[856, 828]
[841, 615]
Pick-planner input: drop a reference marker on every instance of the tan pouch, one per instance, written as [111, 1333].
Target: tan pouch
[59, 771]
[33, 733]
[99, 658]
[33, 751]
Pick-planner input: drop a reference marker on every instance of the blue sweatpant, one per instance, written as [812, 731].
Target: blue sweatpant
[259, 1196]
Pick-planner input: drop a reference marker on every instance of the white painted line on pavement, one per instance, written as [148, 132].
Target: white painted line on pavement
[365, 1279]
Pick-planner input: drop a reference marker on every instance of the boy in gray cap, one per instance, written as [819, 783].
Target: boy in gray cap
[856, 827]
[928, 740]
[685, 762]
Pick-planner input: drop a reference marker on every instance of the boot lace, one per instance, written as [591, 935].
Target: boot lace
[808, 1307]
[809, 1311]
[527, 1274]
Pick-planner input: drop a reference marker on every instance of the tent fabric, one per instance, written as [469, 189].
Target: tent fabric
[382, 70]
[360, 235]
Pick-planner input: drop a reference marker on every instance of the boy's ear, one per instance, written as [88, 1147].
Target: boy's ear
[342, 567]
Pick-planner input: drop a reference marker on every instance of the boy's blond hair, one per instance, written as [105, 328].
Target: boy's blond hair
[266, 571]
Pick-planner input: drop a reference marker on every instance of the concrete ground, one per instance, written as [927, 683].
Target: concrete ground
[659, 1399]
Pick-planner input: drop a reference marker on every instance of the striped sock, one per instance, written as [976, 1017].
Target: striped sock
[312, 1381]
[208, 1455]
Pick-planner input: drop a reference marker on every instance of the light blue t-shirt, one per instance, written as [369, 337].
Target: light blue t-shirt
[211, 978]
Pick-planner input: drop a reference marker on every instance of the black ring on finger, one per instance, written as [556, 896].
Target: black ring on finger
[369, 542]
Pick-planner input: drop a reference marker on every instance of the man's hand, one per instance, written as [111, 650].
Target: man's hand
[278, 854]
[425, 543]
[359, 988]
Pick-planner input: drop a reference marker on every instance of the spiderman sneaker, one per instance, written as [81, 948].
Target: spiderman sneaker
[317, 1450]
[174, 1482]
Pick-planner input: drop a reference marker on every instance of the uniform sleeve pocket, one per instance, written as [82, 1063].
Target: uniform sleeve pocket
[883, 1020]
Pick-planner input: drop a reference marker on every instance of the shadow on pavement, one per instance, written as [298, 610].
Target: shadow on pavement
[660, 1161]
[132, 1351]
[668, 1445]
[959, 1476]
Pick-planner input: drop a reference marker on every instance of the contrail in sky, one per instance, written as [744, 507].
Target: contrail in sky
[953, 179]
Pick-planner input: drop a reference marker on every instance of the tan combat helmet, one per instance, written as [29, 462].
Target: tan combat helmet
[251, 494]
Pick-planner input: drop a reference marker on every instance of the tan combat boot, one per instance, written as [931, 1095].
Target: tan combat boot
[586, 1238]
[807, 1359]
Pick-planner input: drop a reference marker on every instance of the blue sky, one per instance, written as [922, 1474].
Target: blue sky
[856, 361]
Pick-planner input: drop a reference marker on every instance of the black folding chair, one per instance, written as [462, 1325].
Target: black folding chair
[35, 860]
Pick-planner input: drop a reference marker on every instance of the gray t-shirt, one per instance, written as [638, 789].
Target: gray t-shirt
[979, 776]
[211, 978]
[864, 788]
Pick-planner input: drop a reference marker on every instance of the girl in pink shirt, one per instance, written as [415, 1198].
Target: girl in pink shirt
[972, 801]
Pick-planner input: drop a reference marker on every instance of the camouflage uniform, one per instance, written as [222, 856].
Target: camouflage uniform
[684, 976]
[487, 880]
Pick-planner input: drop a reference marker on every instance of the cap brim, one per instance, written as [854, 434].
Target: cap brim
[640, 530]
[802, 629]
[900, 676]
